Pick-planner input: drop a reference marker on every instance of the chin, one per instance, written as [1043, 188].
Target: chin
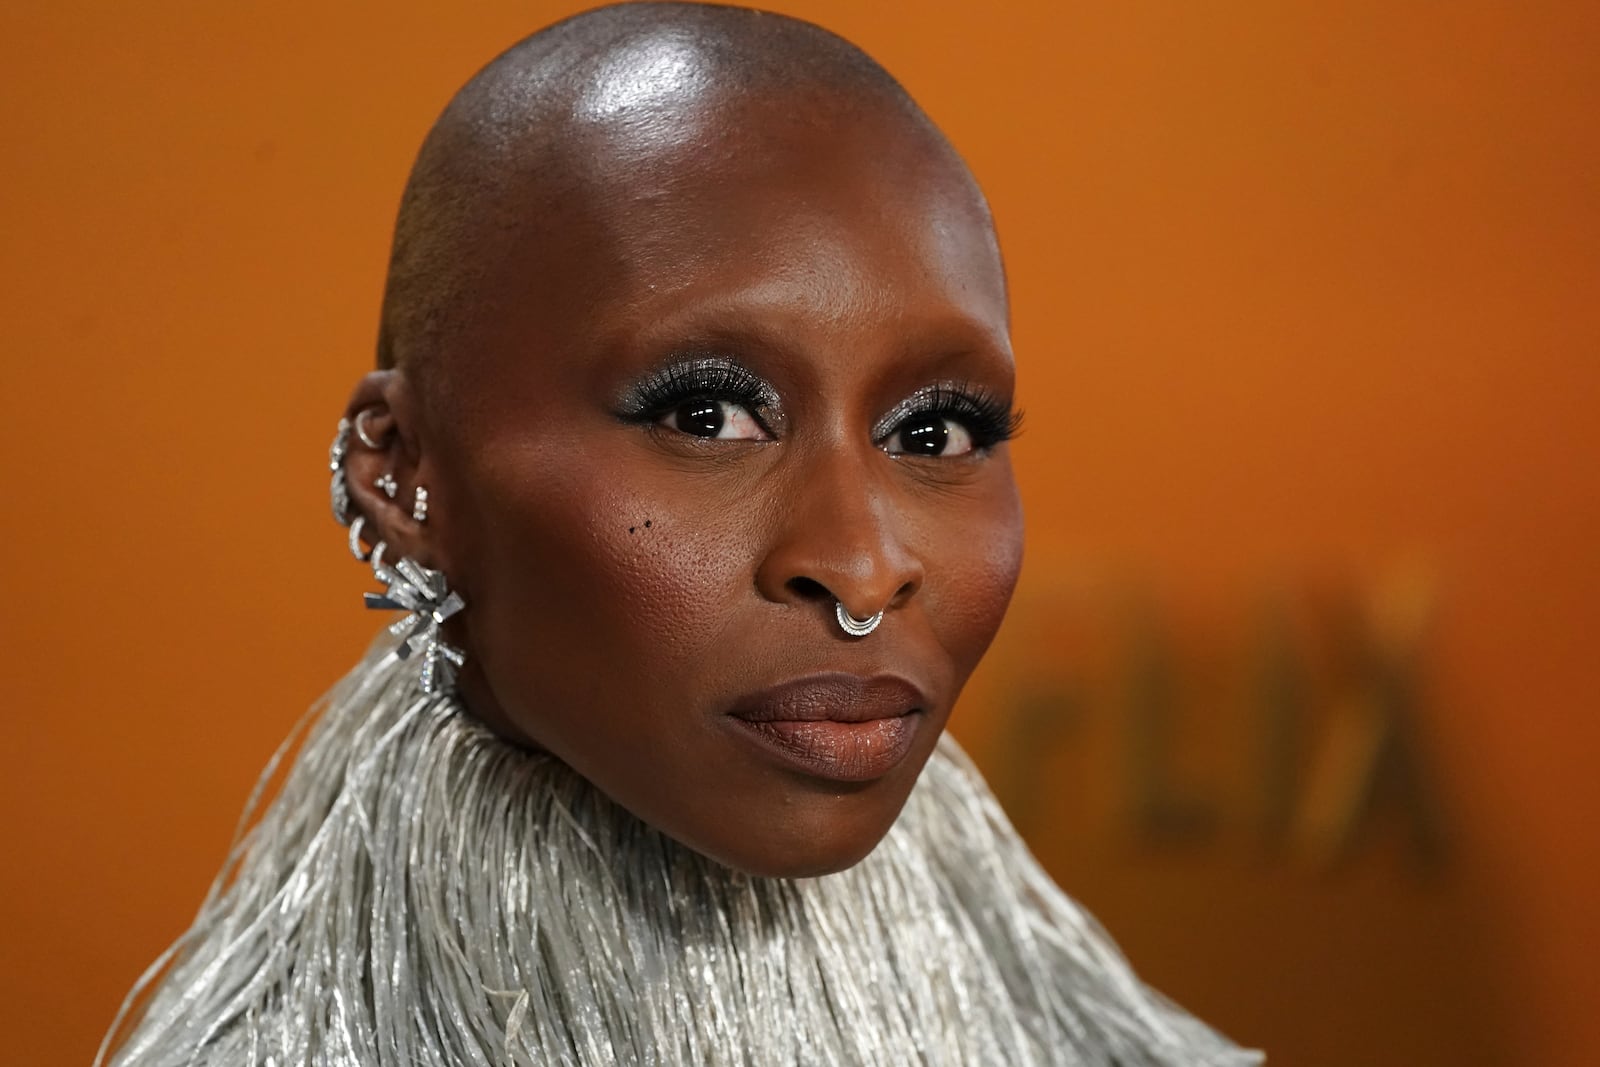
[813, 863]
[833, 837]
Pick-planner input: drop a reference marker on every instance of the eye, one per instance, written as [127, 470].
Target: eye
[713, 419]
[946, 420]
[929, 434]
[710, 397]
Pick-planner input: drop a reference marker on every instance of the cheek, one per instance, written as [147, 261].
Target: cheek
[675, 573]
[589, 586]
[972, 573]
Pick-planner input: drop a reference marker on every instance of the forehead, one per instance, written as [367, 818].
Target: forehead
[821, 207]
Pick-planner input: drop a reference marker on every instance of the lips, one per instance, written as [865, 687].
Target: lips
[840, 727]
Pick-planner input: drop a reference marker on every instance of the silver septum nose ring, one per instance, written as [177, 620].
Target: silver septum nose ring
[853, 626]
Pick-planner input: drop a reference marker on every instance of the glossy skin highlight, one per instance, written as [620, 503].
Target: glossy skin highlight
[632, 585]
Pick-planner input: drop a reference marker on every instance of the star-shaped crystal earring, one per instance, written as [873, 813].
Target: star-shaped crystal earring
[426, 595]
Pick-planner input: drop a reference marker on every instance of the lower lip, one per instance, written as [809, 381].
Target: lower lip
[840, 751]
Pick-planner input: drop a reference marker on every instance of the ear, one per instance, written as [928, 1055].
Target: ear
[384, 403]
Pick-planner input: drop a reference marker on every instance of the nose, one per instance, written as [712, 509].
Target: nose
[842, 537]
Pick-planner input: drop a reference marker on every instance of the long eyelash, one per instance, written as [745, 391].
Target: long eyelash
[988, 418]
[712, 378]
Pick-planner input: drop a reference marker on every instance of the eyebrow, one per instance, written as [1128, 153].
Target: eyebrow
[691, 364]
[731, 327]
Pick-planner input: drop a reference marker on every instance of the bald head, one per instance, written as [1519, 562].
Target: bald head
[605, 98]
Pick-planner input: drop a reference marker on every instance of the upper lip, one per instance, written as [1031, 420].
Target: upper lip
[835, 697]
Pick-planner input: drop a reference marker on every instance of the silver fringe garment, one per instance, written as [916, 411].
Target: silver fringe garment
[421, 893]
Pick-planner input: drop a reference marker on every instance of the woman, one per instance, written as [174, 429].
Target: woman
[686, 463]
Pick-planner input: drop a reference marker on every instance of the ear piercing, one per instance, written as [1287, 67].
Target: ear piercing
[355, 539]
[423, 594]
[390, 488]
[361, 429]
[338, 489]
[853, 626]
[426, 597]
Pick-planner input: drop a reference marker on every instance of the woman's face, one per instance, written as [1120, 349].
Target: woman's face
[762, 367]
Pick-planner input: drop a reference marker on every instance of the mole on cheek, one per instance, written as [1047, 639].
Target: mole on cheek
[647, 524]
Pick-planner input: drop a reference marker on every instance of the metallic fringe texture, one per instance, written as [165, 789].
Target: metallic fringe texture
[420, 893]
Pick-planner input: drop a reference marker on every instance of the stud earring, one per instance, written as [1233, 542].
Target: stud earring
[419, 506]
[386, 484]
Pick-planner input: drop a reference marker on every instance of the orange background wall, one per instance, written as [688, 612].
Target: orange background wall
[1299, 288]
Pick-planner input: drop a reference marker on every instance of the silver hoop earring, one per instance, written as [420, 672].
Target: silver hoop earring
[361, 430]
[419, 506]
[853, 626]
[427, 597]
[338, 489]
[355, 539]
